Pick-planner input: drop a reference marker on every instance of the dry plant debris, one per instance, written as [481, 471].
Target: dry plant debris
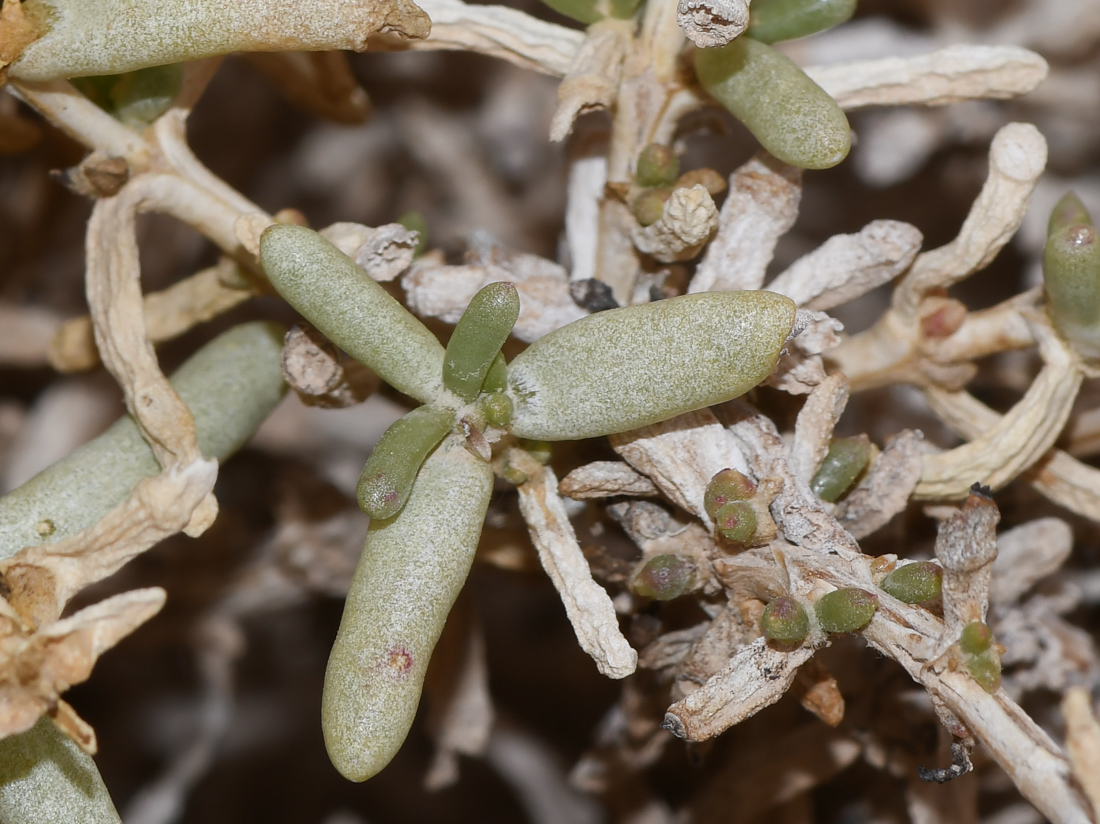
[1006, 625]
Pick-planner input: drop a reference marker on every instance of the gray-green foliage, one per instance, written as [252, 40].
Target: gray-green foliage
[353, 311]
[412, 569]
[230, 385]
[792, 117]
[624, 368]
[610, 372]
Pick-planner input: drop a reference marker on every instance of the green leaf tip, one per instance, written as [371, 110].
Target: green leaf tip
[1068, 211]
[985, 668]
[1071, 279]
[388, 477]
[412, 569]
[843, 464]
[477, 338]
[497, 408]
[354, 312]
[785, 621]
[616, 370]
[792, 117]
[914, 583]
[726, 486]
[664, 577]
[771, 21]
[845, 610]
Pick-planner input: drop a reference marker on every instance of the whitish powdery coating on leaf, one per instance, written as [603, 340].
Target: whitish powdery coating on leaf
[651, 362]
[412, 569]
[110, 36]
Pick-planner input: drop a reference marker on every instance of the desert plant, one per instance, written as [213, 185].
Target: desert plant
[750, 517]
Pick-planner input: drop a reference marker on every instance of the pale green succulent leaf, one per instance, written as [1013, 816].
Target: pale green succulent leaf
[338, 297]
[412, 569]
[617, 370]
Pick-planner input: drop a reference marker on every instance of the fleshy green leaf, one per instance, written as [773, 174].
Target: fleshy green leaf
[477, 338]
[791, 116]
[412, 569]
[624, 368]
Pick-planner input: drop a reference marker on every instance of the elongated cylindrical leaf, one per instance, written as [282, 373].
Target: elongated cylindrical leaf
[340, 299]
[476, 340]
[88, 37]
[388, 477]
[47, 779]
[773, 20]
[624, 368]
[843, 463]
[412, 569]
[230, 386]
[791, 116]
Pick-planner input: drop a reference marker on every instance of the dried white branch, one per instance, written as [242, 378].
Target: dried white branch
[1019, 439]
[762, 205]
[847, 266]
[587, 604]
[592, 81]
[1025, 555]
[756, 677]
[681, 455]
[602, 479]
[959, 72]
[384, 252]
[498, 31]
[814, 426]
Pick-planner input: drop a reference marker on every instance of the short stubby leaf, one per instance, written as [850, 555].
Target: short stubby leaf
[354, 312]
[784, 621]
[388, 477]
[412, 569]
[476, 340]
[1071, 279]
[725, 487]
[914, 583]
[843, 464]
[845, 610]
[792, 117]
[664, 577]
[617, 370]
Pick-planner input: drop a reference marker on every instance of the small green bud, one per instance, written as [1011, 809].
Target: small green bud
[914, 583]
[387, 479]
[845, 610]
[975, 638]
[726, 486]
[541, 451]
[985, 668]
[650, 205]
[1071, 277]
[496, 379]
[792, 117]
[354, 312]
[476, 340]
[415, 222]
[664, 577]
[657, 165]
[785, 621]
[736, 521]
[1069, 211]
[513, 475]
[140, 97]
[773, 20]
[844, 462]
[496, 408]
[616, 370]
